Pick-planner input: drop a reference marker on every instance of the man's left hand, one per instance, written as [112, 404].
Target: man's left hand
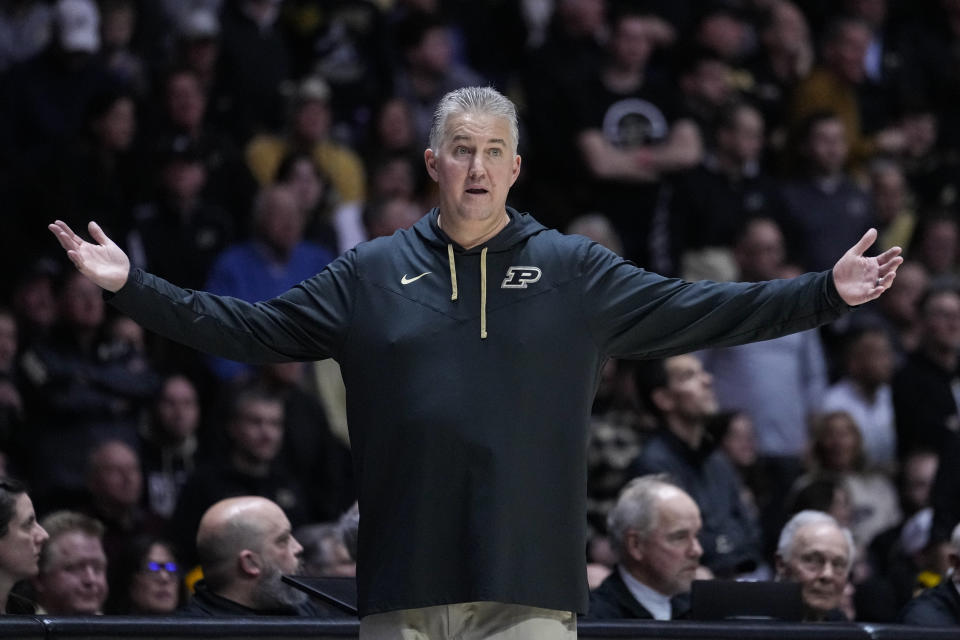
[859, 278]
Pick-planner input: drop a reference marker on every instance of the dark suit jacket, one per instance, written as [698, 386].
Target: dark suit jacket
[936, 607]
[612, 600]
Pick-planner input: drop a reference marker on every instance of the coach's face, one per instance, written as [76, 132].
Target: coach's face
[474, 167]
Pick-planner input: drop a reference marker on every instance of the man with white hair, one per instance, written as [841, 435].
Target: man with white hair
[653, 530]
[817, 552]
[471, 346]
[939, 606]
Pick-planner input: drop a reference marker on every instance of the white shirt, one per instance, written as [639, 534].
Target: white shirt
[653, 601]
[873, 416]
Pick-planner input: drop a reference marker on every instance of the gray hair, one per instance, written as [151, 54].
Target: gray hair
[484, 100]
[636, 509]
[955, 539]
[62, 522]
[809, 517]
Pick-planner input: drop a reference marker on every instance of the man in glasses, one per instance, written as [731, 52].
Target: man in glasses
[817, 552]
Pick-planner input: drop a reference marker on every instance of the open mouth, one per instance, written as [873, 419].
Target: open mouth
[477, 191]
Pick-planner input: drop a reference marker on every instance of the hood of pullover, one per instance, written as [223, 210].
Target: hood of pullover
[520, 227]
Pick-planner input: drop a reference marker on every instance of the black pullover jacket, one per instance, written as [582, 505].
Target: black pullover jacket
[470, 375]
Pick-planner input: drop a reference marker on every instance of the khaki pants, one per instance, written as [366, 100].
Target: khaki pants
[471, 621]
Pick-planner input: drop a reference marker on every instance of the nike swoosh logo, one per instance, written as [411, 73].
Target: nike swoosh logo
[406, 280]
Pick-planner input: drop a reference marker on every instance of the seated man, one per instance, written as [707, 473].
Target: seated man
[939, 606]
[73, 566]
[816, 552]
[245, 545]
[680, 392]
[653, 530]
[21, 538]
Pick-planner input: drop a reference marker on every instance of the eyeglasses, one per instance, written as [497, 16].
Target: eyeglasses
[156, 567]
[816, 562]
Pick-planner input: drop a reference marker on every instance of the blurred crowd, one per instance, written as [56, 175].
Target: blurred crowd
[238, 146]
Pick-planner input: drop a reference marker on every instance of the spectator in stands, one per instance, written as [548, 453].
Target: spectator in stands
[253, 64]
[145, 579]
[308, 130]
[864, 393]
[680, 391]
[382, 218]
[250, 466]
[931, 164]
[169, 443]
[73, 566]
[784, 57]
[824, 206]
[619, 425]
[333, 224]
[653, 528]
[197, 34]
[892, 203]
[936, 245]
[118, 25]
[818, 553]
[900, 312]
[939, 606]
[101, 172]
[778, 383]
[392, 131]
[21, 541]
[833, 86]
[185, 120]
[714, 201]
[115, 494]
[629, 136]
[274, 259]
[46, 96]
[181, 232]
[324, 553]
[311, 454]
[704, 77]
[11, 402]
[24, 31]
[34, 301]
[427, 69]
[245, 545]
[838, 453]
[923, 399]
[80, 388]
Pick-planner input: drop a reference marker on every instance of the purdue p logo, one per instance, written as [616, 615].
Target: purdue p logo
[520, 277]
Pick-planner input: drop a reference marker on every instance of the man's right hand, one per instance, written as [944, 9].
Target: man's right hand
[104, 263]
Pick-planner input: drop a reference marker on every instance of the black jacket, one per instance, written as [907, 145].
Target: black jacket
[612, 600]
[731, 535]
[206, 603]
[936, 607]
[470, 374]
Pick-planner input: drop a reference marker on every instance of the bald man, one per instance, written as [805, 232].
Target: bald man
[245, 545]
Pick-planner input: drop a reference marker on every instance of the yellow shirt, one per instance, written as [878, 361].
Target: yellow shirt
[341, 165]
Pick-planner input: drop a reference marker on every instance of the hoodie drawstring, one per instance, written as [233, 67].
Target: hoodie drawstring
[483, 294]
[483, 286]
[453, 273]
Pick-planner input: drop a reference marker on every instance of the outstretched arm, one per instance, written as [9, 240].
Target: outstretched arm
[104, 262]
[859, 278]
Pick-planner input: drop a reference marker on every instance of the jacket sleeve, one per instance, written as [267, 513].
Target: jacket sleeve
[634, 313]
[308, 322]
